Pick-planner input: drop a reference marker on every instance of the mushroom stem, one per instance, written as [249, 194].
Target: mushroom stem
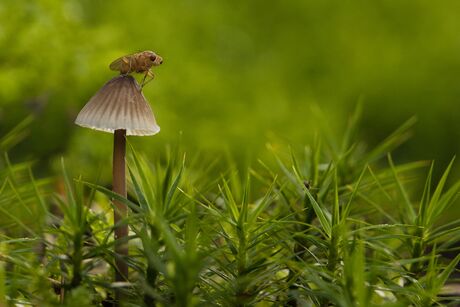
[121, 211]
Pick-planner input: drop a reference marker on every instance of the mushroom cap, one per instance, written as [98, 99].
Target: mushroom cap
[119, 104]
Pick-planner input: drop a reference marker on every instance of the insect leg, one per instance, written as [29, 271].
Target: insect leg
[150, 74]
[143, 80]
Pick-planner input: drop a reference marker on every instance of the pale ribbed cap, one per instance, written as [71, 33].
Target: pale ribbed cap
[119, 104]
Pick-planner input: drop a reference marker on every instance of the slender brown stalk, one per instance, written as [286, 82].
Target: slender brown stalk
[121, 211]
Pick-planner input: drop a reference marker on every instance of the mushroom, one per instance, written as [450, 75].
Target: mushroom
[119, 107]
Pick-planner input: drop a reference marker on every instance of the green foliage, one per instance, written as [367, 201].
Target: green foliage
[331, 225]
[236, 74]
[330, 221]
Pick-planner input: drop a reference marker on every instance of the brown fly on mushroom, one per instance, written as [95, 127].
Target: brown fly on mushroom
[120, 107]
[140, 62]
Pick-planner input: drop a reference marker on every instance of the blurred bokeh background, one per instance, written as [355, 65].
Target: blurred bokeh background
[237, 74]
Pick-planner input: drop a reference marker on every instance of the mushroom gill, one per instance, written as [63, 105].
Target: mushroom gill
[119, 104]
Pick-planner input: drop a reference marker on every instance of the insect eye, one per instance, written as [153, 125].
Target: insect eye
[152, 58]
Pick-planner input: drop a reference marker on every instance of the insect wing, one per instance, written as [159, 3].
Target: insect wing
[122, 63]
[119, 63]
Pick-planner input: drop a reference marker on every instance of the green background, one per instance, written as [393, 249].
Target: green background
[236, 74]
